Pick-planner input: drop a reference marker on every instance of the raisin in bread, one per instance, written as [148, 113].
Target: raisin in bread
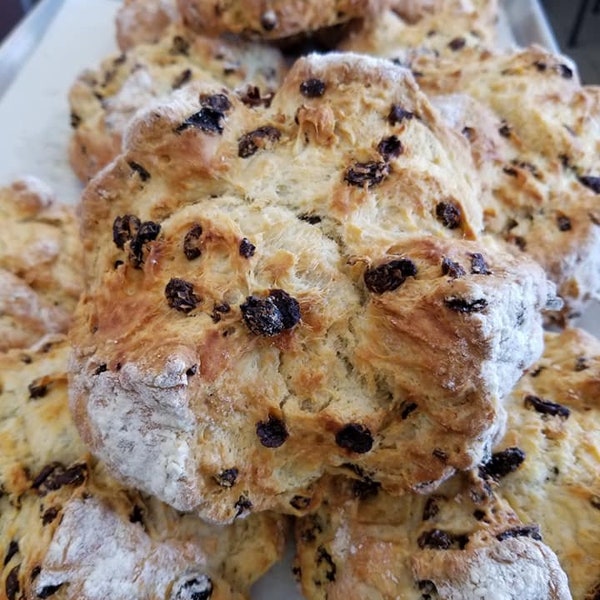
[104, 100]
[554, 417]
[144, 21]
[70, 531]
[276, 291]
[40, 264]
[276, 19]
[460, 543]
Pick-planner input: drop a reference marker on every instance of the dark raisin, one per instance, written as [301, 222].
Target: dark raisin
[37, 388]
[35, 572]
[510, 171]
[206, 119]
[75, 120]
[468, 132]
[180, 45]
[478, 265]
[458, 43]
[136, 167]
[324, 558]
[390, 147]
[563, 223]
[13, 548]
[370, 173]
[117, 264]
[272, 315]
[354, 437]
[300, 502]
[271, 433]
[312, 88]
[268, 20]
[181, 79]
[310, 218]
[465, 306]
[242, 505]
[199, 587]
[536, 372]
[180, 295]
[431, 508]
[532, 531]
[448, 214]
[49, 515]
[398, 114]
[54, 476]
[124, 229]
[435, 539]
[251, 142]
[581, 364]
[136, 515]
[546, 407]
[251, 97]
[427, 588]
[192, 371]
[595, 501]
[227, 477]
[191, 242]
[591, 182]
[219, 310]
[247, 248]
[505, 130]
[540, 66]
[479, 514]
[389, 276]
[440, 455]
[218, 102]
[48, 591]
[565, 71]
[520, 242]
[365, 488]
[100, 369]
[12, 585]
[452, 268]
[309, 534]
[502, 463]
[147, 232]
[406, 409]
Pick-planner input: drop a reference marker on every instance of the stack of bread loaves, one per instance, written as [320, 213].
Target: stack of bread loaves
[315, 287]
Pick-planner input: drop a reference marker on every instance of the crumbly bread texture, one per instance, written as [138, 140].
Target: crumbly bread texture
[40, 264]
[534, 200]
[275, 19]
[460, 543]
[144, 21]
[536, 143]
[71, 532]
[104, 100]
[554, 417]
[437, 28]
[276, 292]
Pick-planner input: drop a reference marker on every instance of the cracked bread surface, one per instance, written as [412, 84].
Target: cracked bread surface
[293, 289]
[104, 100]
[40, 263]
[69, 531]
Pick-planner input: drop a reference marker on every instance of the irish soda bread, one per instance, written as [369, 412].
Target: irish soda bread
[275, 19]
[460, 543]
[40, 264]
[71, 532]
[276, 292]
[103, 101]
[554, 417]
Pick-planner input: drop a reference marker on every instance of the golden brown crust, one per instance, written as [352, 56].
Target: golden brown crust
[40, 264]
[275, 19]
[270, 306]
[462, 542]
[103, 101]
[68, 529]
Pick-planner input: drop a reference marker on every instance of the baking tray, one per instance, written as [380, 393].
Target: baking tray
[40, 60]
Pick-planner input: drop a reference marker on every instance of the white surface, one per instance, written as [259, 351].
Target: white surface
[34, 125]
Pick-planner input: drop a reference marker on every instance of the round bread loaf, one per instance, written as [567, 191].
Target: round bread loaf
[275, 19]
[69, 531]
[40, 264]
[277, 292]
[103, 101]
[460, 543]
